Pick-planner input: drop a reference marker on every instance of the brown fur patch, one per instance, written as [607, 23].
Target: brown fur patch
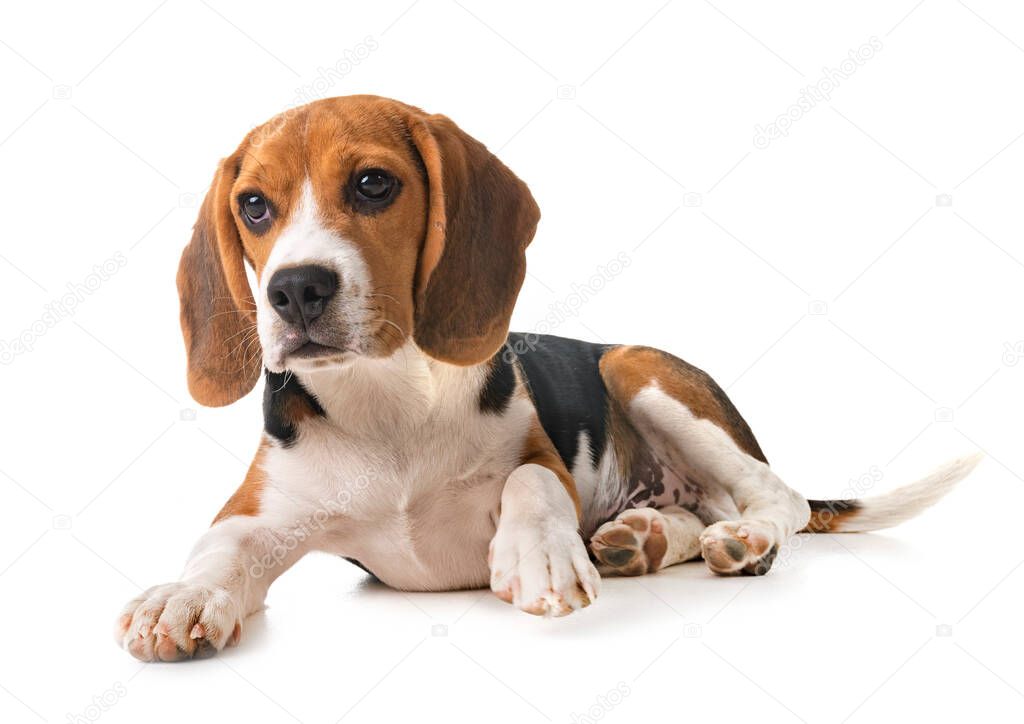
[218, 313]
[246, 500]
[627, 370]
[473, 259]
[829, 515]
[298, 407]
[539, 450]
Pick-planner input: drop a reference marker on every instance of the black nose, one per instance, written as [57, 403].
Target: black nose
[300, 293]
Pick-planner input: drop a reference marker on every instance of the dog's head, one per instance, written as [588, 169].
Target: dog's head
[367, 222]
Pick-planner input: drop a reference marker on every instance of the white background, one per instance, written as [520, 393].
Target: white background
[862, 327]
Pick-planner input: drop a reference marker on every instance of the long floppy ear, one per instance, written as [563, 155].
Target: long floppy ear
[481, 218]
[218, 314]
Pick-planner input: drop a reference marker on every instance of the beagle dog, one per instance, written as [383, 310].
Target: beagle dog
[406, 429]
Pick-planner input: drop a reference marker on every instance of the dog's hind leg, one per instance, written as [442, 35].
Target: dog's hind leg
[696, 433]
[644, 540]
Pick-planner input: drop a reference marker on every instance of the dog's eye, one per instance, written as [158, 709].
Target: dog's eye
[374, 185]
[255, 209]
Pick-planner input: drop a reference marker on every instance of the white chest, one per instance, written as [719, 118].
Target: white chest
[417, 507]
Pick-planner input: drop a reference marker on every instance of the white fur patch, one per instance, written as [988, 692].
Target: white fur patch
[892, 508]
[715, 459]
[538, 560]
[306, 240]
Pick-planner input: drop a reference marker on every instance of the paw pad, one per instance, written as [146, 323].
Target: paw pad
[632, 544]
[739, 547]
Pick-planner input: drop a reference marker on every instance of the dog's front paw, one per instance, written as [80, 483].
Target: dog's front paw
[178, 621]
[543, 571]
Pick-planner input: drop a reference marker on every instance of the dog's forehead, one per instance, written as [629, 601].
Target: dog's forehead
[330, 127]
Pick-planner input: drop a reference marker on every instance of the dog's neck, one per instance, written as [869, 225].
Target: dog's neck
[407, 390]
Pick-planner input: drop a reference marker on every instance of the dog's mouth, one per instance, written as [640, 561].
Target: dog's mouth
[314, 350]
[315, 355]
[303, 353]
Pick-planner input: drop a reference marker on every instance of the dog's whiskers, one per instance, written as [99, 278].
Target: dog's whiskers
[247, 330]
[249, 336]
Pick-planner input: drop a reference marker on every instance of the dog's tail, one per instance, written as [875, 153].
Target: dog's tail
[889, 509]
